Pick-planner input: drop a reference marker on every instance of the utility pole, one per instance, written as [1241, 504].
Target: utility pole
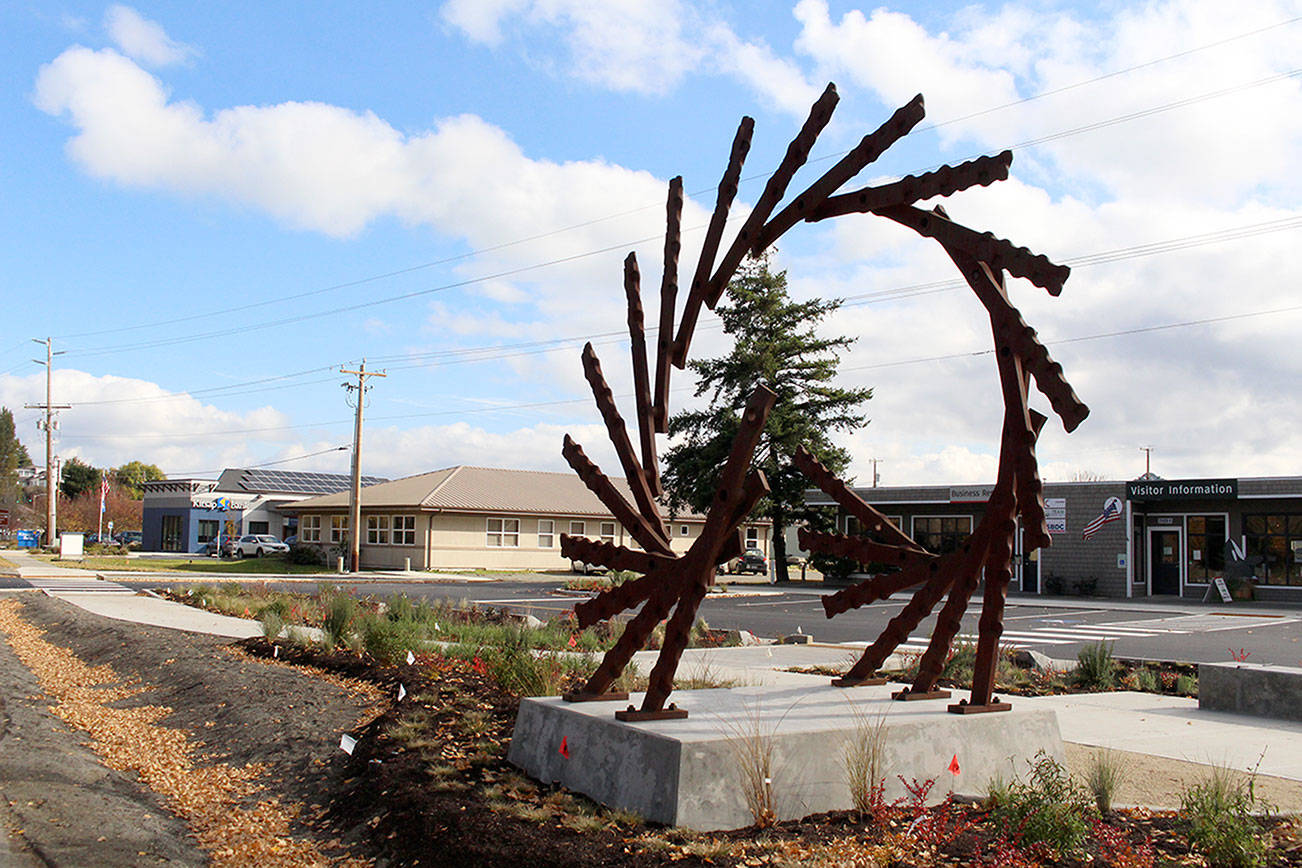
[875, 477]
[1148, 456]
[355, 490]
[50, 424]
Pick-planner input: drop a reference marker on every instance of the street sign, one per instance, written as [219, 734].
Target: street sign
[28, 539]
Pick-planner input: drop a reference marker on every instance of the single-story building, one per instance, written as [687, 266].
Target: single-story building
[1168, 536]
[481, 518]
[181, 515]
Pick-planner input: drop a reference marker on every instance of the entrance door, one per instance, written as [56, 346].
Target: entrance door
[1164, 549]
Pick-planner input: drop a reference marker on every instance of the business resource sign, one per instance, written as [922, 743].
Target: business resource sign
[1181, 489]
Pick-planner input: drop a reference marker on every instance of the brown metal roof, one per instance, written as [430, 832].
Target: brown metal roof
[480, 489]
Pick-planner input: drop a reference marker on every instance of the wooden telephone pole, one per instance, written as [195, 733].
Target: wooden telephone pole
[50, 423]
[355, 490]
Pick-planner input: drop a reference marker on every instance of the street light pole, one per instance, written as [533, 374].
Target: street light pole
[355, 489]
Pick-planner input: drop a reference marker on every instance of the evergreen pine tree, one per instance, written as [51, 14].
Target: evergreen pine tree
[775, 344]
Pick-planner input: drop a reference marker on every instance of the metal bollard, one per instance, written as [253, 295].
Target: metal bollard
[341, 565]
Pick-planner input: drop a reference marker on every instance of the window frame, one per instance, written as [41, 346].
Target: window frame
[377, 530]
[310, 528]
[402, 530]
[549, 533]
[507, 528]
[958, 536]
[338, 529]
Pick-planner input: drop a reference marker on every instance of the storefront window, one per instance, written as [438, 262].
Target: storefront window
[207, 529]
[1277, 540]
[1205, 548]
[942, 534]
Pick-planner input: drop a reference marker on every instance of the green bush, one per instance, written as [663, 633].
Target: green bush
[340, 609]
[399, 608]
[279, 607]
[1048, 811]
[514, 665]
[1187, 685]
[388, 641]
[230, 589]
[1145, 680]
[272, 624]
[308, 556]
[1095, 667]
[1217, 813]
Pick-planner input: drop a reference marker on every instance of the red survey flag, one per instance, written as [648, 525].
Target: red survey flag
[565, 747]
[573, 642]
[953, 765]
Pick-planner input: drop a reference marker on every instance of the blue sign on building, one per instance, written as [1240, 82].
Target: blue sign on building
[28, 539]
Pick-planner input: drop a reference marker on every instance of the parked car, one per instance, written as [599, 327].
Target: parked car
[258, 544]
[751, 561]
[129, 538]
[210, 548]
[585, 569]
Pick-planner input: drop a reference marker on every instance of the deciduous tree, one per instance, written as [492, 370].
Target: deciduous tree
[777, 344]
[134, 474]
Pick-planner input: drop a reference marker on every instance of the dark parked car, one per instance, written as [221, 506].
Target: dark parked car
[129, 538]
[751, 561]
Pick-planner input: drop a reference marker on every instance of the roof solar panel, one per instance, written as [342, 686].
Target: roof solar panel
[298, 481]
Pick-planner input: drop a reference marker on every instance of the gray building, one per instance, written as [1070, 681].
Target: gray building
[181, 515]
[1152, 537]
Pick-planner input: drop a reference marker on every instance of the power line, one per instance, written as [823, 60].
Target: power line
[470, 355]
[255, 466]
[627, 212]
[561, 402]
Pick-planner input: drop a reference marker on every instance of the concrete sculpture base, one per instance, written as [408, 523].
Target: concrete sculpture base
[689, 772]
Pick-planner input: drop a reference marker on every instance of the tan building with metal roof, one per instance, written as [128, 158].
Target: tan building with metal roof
[481, 518]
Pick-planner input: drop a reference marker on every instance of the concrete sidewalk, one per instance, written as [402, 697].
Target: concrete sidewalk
[1163, 726]
[28, 567]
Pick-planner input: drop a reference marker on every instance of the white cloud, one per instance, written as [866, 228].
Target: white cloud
[114, 420]
[142, 39]
[637, 46]
[626, 45]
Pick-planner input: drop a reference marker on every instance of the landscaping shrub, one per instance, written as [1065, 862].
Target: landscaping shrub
[279, 607]
[1105, 773]
[399, 608]
[1187, 685]
[388, 641]
[340, 609]
[1048, 811]
[864, 757]
[272, 624]
[230, 589]
[308, 556]
[513, 664]
[1095, 667]
[1218, 816]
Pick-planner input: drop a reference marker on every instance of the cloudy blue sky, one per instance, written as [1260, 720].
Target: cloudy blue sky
[212, 207]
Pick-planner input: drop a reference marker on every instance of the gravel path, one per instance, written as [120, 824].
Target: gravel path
[139, 727]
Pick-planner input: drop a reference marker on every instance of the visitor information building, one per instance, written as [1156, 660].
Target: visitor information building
[1146, 537]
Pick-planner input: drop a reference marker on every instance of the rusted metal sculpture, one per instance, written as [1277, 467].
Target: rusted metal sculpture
[1018, 493]
[679, 582]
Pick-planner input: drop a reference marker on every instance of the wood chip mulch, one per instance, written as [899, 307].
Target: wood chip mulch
[211, 798]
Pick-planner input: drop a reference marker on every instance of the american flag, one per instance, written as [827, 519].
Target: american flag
[103, 493]
[1111, 512]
